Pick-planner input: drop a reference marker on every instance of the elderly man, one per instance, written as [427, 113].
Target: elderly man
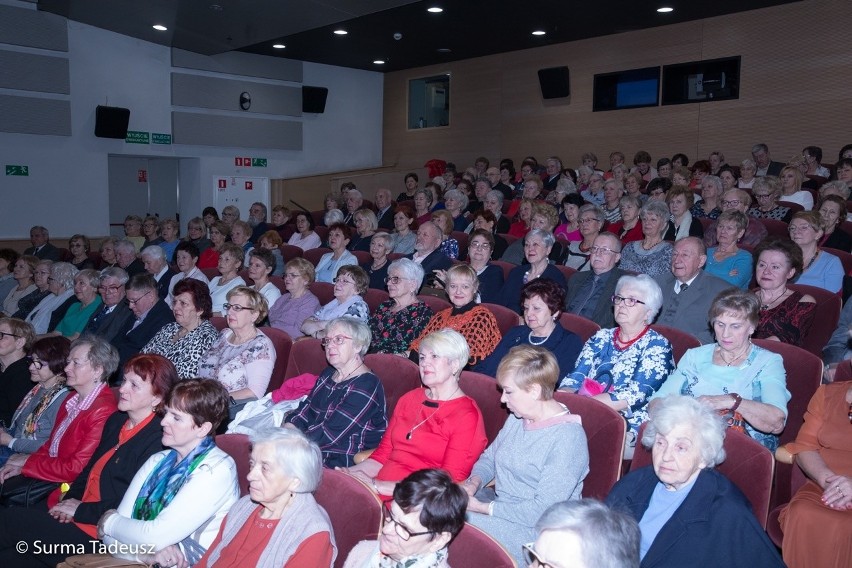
[477, 202]
[40, 239]
[426, 249]
[150, 315]
[257, 221]
[154, 261]
[354, 201]
[594, 194]
[737, 200]
[764, 163]
[125, 254]
[384, 208]
[111, 318]
[590, 291]
[688, 291]
[554, 170]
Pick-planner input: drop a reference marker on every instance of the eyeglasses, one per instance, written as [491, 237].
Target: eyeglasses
[731, 203]
[799, 228]
[236, 307]
[401, 530]
[762, 195]
[111, 289]
[394, 279]
[602, 250]
[337, 340]
[137, 300]
[629, 302]
[339, 279]
[292, 275]
[479, 246]
[37, 363]
[589, 220]
[533, 560]
[4, 334]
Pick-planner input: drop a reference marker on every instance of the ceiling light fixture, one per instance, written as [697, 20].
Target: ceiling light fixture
[160, 27]
[665, 10]
[279, 46]
[379, 62]
[435, 10]
[444, 50]
[539, 33]
[216, 7]
[340, 32]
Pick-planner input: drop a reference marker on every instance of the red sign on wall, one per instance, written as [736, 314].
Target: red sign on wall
[249, 185]
[223, 184]
[143, 176]
[238, 162]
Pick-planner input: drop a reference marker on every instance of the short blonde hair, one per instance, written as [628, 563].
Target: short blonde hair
[450, 344]
[256, 301]
[528, 365]
[464, 271]
[304, 267]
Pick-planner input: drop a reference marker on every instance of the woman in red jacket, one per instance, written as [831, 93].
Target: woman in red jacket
[78, 426]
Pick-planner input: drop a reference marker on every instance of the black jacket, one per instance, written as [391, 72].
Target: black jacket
[129, 343]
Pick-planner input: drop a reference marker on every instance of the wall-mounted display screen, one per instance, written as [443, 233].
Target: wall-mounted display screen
[701, 81]
[627, 89]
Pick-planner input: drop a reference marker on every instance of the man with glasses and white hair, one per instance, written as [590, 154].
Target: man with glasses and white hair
[109, 320]
[151, 314]
[427, 252]
[155, 263]
[589, 291]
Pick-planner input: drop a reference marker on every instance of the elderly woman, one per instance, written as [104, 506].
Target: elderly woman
[349, 287]
[633, 186]
[726, 260]
[230, 263]
[41, 279]
[540, 456]
[437, 426]
[475, 323]
[380, 246]
[423, 201]
[711, 192]
[791, 188]
[728, 177]
[296, 305]
[494, 203]
[401, 319]
[444, 221]
[260, 267]
[151, 231]
[339, 235]
[537, 247]
[456, 202]
[733, 376]
[570, 229]
[77, 430]
[285, 469]
[186, 258]
[191, 335]
[821, 269]
[684, 508]
[484, 220]
[366, 224]
[624, 366]
[107, 251]
[629, 228]
[281, 216]
[345, 411]
[219, 233]
[766, 192]
[785, 315]
[182, 494]
[425, 515]
[304, 237]
[33, 420]
[490, 276]
[271, 241]
[16, 340]
[613, 192]
[748, 169]
[23, 275]
[88, 301]
[543, 301]
[591, 222]
[242, 357]
[652, 255]
[832, 210]
[47, 314]
[240, 236]
[405, 230]
[170, 230]
[680, 200]
[196, 233]
[80, 246]
[411, 180]
[522, 226]
[544, 218]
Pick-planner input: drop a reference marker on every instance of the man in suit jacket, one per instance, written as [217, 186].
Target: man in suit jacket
[40, 239]
[764, 163]
[688, 291]
[590, 291]
[155, 263]
[384, 209]
[114, 314]
[151, 314]
[125, 254]
[426, 250]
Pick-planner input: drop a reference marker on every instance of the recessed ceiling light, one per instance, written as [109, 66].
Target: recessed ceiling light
[279, 46]
[379, 62]
[435, 10]
[444, 50]
[665, 9]
[160, 27]
[539, 33]
[216, 7]
[340, 32]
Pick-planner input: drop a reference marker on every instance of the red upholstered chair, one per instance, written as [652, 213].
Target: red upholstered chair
[506, 318]
[509, 238]
[705, 222]
[776, 228]
[844, 371]
[238, 447]
[278, 281]
[605, 432]
[314, 255]
[362, 256]
[566, 271]
[748, 465]
[437, 304]
[219, 322]
[681, 341]
[395, 256]
[287, 231]
[462, 239]
[794, 207]
[845, 258]
[306, 356]
[289, 252]
[506, 266]
[483, 389]
[210, 273]
[324, 291]
[825, 320]
[244, 275]
[283, 345]
[583, 327]
[354, 510]
[398, 376]
[797, 479]
[374, 297]
[474, 548]
[322, 233]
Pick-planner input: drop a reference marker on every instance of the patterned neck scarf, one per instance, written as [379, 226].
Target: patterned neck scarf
[73, 406]
[430, 560]
[30, 421]
[166, 479]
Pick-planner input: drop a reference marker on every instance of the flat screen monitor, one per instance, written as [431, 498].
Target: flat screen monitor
[701, 81]
[635, 88]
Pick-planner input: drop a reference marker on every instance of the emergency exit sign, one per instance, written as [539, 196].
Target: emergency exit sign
[246, 162]
[12, 170]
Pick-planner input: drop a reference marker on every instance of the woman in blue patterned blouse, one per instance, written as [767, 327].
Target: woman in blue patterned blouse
[623, 366]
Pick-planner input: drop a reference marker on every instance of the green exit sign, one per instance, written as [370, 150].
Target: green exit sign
[258, 162]
[12, 170]
[137, 137]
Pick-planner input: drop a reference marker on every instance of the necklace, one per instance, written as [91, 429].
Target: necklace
[544, 339]
[813, 258]
[765, 305]
[731, 362]
[425, 420]
[349, 374]
[374, 267]
[622, 345]
[646, 247]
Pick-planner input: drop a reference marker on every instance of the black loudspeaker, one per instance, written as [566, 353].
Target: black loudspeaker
[555, 82]
[111, 122]
[313, 99]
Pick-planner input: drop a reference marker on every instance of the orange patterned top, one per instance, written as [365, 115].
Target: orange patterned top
[477, 325]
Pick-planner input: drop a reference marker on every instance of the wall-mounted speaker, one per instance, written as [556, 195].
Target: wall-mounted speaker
[555, 82]
[313, 99]
[111, 122]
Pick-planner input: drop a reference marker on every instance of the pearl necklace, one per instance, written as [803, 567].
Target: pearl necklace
[544, 340]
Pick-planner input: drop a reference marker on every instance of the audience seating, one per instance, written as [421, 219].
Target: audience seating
[775, 228]
[398, 375]
[289, 252]
[374, 297]
[681, 341]
[474, 548]
[509, 238]
[583, 327]
[306, 356]
[484, 390]
[395, 256]
[283, 344]
[318, 217]
[506, 318]
[437, 304]
[825, 320]
[566, 271]
[362, 256]
[322, 233]
[238, 447]
[314, 255]
[219, 322]
[844, 371]
[210, 273]
[324, 291]
[462, 239]
[797, 479]
[278, 281]
[605, 432]
[845, 258]
[506, 266]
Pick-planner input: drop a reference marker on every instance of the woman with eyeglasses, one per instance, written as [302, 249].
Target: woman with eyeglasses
[16, 340]
[242, 358]
[401, 319]
[766, 191]
[345, 410]
[339, 235]
[79, 246]
[380, 246]
[60, 283]
[591, 222]
[230, 262]
[425, 515]
[623, 366]
[76, 317]
[298, 303]
[349, 286]
[821, 269]
[479, 254]
[41, 278]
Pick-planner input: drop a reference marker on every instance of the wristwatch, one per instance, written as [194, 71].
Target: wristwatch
[737, 400]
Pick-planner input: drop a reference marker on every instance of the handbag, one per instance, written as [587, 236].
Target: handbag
[99, 561]
[23, 491]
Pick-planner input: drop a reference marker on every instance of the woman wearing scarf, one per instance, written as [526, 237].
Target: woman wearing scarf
[78, 428]
[178, 499]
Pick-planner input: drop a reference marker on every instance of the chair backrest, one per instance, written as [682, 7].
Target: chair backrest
[283, 344]
[509, 238]
[210, 273]
[322, 232]
[844, 371]
[374, 297]
[278, 282]
[825, 320]
[776, 228]
[484, 390]
[354, 510]
[318, 217]
[314, 255]
[437, 304]
[462, 239]
[605, 432]
[681, 341]
[506, 318]
[474, 548]
[219, 322]
[507, 267]
[306, 356]
[324, 291]
[398, 376]
[363, 256]
[583, 327]
[238, 447]
[748, 465]
[845, 258]
[566, 271]
[792, 206]
[289, 252]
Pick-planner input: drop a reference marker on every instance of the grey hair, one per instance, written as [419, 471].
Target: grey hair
[295, 455]
[715, 180]
[461, 197]
[409, 269]
[593, 522]
[357, 330]
[450, 344]
[748, 163]
[546, 237]
[650, 291]
[263, 207]
[427, 193]
[764, 183]
[153, 252]
[124, 245]
[484, 180]
[619, 167]
[64, 273]
[566, 185]
[585, 170]
[658, 208]
[231, 209]
[333, 216]
[91, 275]
[496, 194]
[368, 216]
[836, 185]
[678, 410]
[101, 354]
[759, 148]
[599, 214]
[630, 199]
[356, 192]
[595, 176]
[618, 185]
[115, 272]
[387, 237]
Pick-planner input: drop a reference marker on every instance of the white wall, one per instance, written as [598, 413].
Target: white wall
[67, 189]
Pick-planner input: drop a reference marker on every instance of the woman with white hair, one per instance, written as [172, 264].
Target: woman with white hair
[401, 319]
[688, 513]
[747, 171]
[47, 314]
[381, 245]
[366, 224]
[652, 255]
[537, 247]
[456, 202]
[623, 366]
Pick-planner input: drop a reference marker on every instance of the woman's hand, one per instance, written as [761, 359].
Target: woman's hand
[102, 522]
[717, 401]
[837, 492]
[64, 510]
[169, 556]
[471, 485]
[474, 505]
[5, 437]
[13, 467]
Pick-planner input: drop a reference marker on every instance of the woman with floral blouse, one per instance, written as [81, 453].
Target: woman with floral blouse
[400, 320]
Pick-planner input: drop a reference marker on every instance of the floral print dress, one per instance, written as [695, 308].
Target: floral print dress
[393, 332]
